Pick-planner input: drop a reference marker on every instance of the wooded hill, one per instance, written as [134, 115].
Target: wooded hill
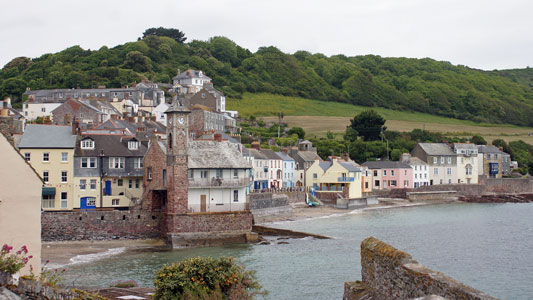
[423, 85]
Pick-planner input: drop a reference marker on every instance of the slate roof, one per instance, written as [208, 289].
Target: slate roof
[213, 155]
[284, 156]
[211, 136]
[325, 165]
[415, 161]
[270, 154]
[350, 166]
[256, 154]
[488, 149]
[132, 127]
[465, 146]
[308, 155]
[386, 164]
[191, 74]
[436, 149]
[47, 136]
[112, 145]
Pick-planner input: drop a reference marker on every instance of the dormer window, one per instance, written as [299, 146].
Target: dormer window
[87, 144]
[133, 145]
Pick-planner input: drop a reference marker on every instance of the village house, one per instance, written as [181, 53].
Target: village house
[20, 205]
[390, 175]
[260, 168]
[304, 156]
[40, 108]
[288, 170]
[275, 171]
[441, 160]
[420, 170]
[202, 119]
[190, 81]
[335, 178]
[49, 149]
[467, 163]
[492, 162]
[84, 111]
[108, 170]
[141, 128]
[366, 180]
[159, 112]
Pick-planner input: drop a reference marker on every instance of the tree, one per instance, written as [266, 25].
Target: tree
[369, 125]
[175, 34]
[501, 143]
[136, 61]
[478, 140]
[297, 130]
[396, 154]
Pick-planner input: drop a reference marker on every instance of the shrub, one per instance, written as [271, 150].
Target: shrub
[12, 262]
[124, 284]
[206, 278]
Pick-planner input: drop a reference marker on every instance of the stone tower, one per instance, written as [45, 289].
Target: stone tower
[177, 160]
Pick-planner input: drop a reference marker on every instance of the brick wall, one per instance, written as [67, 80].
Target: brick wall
[388, 273]
[99, 225]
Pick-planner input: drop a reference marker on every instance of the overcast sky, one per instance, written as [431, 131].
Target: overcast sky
[483, 34]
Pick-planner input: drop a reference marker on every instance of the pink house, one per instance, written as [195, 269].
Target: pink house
[390, 175]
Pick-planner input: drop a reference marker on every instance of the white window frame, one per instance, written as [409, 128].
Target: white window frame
[116, 162]
[87, 144]
[203, 174]
[46, 176]
[27, 156]
[64, 200]
[93, 184]
[90, 162]
[83, 184]
[64, 176]
[115, 202]
[91, 201]
[48, 201]
[449, 160]
[435, 160]
[46, 156]
[133, 145]
[64, 156]
[137, 163]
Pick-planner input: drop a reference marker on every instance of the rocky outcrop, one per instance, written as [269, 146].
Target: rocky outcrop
[498, 198]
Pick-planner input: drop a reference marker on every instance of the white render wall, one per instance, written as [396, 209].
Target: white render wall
[32, 111]
[420, 175]
[217, 199]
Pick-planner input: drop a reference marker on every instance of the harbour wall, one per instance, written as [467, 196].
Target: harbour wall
[264, 206]
[388, 273]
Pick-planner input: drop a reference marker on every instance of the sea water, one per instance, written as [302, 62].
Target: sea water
[487, 246]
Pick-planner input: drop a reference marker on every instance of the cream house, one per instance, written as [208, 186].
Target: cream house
[467, 163]
[49, 149]
[20, 204]
[337, 177]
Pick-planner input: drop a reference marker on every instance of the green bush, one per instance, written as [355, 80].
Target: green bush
[206, 278]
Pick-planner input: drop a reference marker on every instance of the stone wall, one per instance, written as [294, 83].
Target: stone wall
[388, 273]
[507, 185]
[99, 225]
[267, 200]
[32, 289]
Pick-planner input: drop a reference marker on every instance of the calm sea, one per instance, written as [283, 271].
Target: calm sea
[487, 246]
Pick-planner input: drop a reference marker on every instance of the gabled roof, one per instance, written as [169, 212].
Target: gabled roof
[284, 156]
[270, 154]
[110, 145]
[386, 164]
[488, 149]
[350, 166]
[256, 154]
[309, 156]
[466, 146]
[190, 73]
[47, 136]
[413, 160]
[325, 165]
[436, 148]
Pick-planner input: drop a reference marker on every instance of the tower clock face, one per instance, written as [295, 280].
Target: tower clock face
[181, 120]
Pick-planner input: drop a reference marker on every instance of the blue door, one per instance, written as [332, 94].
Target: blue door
[108, 187]
[88, 203]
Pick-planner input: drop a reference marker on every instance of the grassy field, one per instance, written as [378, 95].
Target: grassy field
[319, 117]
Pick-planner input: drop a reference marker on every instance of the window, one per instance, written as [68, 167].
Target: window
[27, 156]
[235, 195]
[488, 155]
[375, 173]
[149, 175]
[130, 183]
[449, 171]
[137, 183]
[93, 184]
[64, 200]
[43, 109]
[64, 156]
[120, 182]
[315, 175]
[449, 160]
[416, 176]
[405, 172]
[45, 176]
[384, 172]
[442, 160]
[416, 168]
[191, 174]
[83, 184]
[468, 170]
[91, 201]
[434, 160]
[218, 173]
[87, 144]
[392, 172]
[406, 183]
[235, 173]
[376, 183]
[64, 176]
[436, 171]
[48, 201]
[115, 202]
[46, 156]
[449, 181]
[88, 162]
[203, 174]
[366, 185]
[138, 163]
[133, 145]
[495, 156]
[462, 160]
[393, 182]
[441, 181]
[116, 162]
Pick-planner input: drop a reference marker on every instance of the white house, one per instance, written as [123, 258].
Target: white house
[420, 170]
[275, 172]
[33, 108]
[467, 163]
[159, 112]
[288, 170]
[191, 81]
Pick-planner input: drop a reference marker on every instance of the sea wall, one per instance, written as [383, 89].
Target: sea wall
[99, 225]
[388, 273]
[264, 206]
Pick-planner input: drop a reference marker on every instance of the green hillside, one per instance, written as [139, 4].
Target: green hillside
[405, 84]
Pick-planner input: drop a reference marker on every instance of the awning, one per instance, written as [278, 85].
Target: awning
[49, 191]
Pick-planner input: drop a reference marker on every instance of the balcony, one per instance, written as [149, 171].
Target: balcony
[200, 183]
[346, 179]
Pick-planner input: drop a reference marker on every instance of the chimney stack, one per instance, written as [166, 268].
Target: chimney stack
[218, 137]
[406, 157]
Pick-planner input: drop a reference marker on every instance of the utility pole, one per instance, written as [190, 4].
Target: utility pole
[279, 123]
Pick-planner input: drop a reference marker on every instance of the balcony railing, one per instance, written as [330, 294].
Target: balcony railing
[346, 179]
[218, 182]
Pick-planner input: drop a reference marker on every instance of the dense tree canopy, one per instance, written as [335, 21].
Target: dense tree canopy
[368, 124]
[422, 85]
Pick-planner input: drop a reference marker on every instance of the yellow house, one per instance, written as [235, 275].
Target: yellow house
[20, 205]
[49, 149]
[336, 177]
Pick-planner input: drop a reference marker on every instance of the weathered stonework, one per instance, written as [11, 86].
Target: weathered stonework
[100, 225]
[30, 289]
[388, 273]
